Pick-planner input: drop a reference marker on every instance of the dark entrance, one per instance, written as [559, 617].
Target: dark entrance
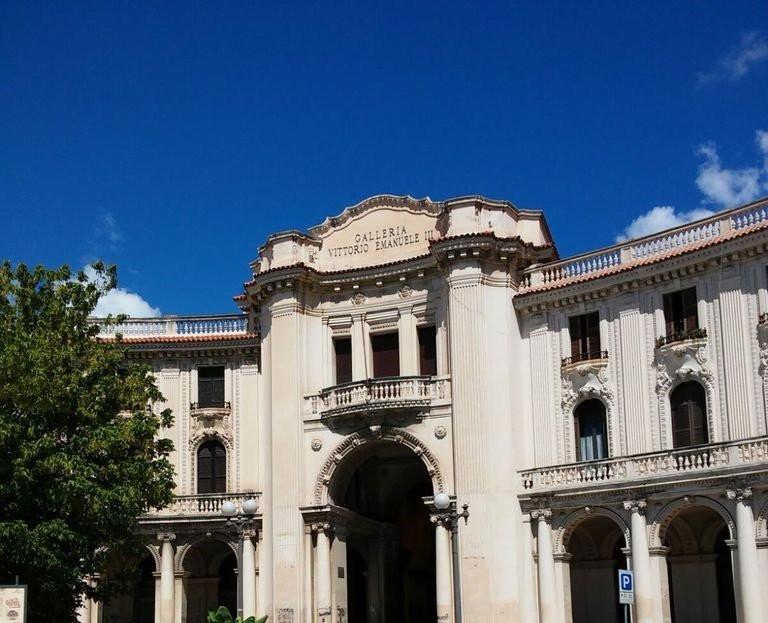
[391, 543]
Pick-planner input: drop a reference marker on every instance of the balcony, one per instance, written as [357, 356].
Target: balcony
[733, 457]
[200, 507]
[601, 355]
[374, 398]
[230, 325]
[681, 336]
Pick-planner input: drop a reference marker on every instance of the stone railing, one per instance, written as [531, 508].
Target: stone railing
[231, 324]
[383, 393]
[204, 504]
[646, 248]
[682, 461]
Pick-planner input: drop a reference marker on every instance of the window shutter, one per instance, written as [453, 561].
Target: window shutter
[386, 355]
[342, 348]
[427, 350]
[690, 310]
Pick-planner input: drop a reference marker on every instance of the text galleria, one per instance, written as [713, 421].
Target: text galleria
[380, 240]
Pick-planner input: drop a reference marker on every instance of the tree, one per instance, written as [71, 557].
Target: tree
[80, 458]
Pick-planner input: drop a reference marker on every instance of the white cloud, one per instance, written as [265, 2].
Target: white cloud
[752, 49]
[658, 219]
[121, 301]
[731, 187]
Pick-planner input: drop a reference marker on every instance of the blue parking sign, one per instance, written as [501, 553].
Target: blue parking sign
[626, 587]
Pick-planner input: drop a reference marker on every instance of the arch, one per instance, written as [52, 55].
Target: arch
[666, 384]
[154, 551]
[194, 446]
[761, 522]
[376, 433]
[665, 515]
[216, 457]
[573, 401]
[689, 414]
[564, 531]
[183, 550]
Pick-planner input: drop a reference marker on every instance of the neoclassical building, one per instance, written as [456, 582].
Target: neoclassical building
[602, 412]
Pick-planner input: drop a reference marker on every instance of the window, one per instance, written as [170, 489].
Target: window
[427, 350]
[585, 337]
[681, 313]
[210, 386]
[589, 420]
[211, 468]
[688, 402]
[386, 354]
[342, 350]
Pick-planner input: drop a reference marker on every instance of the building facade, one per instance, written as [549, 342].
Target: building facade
[603, 412]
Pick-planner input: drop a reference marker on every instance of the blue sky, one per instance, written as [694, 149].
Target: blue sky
[172, 138]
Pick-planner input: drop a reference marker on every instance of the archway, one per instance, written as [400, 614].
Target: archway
[596, 549]
[210, 581]
[138, 604]
[700, 567]
[390, 539]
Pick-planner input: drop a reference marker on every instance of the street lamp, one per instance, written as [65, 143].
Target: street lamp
[240, 523]
[446, 508]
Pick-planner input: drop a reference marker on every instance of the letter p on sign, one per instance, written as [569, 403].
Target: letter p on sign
[626, 587]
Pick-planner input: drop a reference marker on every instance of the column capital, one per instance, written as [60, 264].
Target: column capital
[322, 526]
[444, 520]
[542, 514]
[166, 537]
[636, 506]
[740, 495]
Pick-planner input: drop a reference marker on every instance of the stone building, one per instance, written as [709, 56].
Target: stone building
[602, 412]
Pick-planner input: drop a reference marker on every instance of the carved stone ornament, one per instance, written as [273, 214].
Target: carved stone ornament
[585, 380]
[316, 444]
[440, 431]
[358, 299]
[405, 291]
[210, 423]
[681, 360]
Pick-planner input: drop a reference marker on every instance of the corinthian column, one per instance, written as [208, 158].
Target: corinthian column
[248, 569]
[748, 568]
[641, 563]
[166, 578]
[323, 551]
[546, 565]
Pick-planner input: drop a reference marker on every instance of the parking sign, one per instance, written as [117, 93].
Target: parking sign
[626, 587]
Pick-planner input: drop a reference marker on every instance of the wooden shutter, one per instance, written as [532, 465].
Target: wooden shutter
[576, 333]
[386, 354]
[219, 469]
[210, 386]
[211, 468]
[342, 348]
[592, 331]
[690, 312]
[427, 350]
[669, 313]
[689, 415]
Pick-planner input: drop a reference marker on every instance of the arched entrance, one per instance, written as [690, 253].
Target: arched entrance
[700, 568]
[137, 605]
[390, 540]
[210, 581]
[595, 546]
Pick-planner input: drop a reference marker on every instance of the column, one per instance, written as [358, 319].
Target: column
[323, 571]
[641, 563]
[359, 349]
[443, 564]
[248, 567]
[548, 609]
[661, 582]
[748, 568]
[167, 579]
[84, 611]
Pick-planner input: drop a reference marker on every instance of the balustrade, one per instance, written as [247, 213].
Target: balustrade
[644, 466]
[189, 326]
[384, 392]
[202, 504]
[645, 248]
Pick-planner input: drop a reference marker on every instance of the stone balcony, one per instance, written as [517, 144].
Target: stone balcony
[376, 399]
[204, 506]
[682, 464]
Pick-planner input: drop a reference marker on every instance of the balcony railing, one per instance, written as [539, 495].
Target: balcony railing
[645, 467]
[681, 336]
[231, 324]
[208, 504]
[218, 406]
[646, 248]
[581, 357]
[380, 394]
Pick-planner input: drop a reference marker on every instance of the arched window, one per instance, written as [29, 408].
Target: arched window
[592, 441]
[211, 468]
[689, 414]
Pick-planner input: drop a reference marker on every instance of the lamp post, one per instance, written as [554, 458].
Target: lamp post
[447, 515]
[242, 523]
